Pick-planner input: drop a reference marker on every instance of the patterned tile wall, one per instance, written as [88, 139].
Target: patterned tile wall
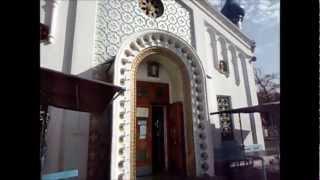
[118, 19]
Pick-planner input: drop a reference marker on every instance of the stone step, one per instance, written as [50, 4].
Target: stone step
[170, 177]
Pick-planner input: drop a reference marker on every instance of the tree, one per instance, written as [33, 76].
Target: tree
[268, 90]
[268, 87]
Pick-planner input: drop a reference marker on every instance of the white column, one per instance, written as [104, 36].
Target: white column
[53, 6]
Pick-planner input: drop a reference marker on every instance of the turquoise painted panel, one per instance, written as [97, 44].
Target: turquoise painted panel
[253, 148]
[61, 175]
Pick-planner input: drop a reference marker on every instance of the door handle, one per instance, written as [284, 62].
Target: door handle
[173, 135]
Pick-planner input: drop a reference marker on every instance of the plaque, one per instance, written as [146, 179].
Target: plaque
[142, 123]
[142, 112]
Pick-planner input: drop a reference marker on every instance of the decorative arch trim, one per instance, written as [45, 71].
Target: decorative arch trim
[131, 53]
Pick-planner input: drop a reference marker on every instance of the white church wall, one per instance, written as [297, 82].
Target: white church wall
[199, 35]
[95, 31]
[220, 84]
[52, 55]
[75, 142]
[83, 51]
[54, 137]
[71, 52]
[258, 123]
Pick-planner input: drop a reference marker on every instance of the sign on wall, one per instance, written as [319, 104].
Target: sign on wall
[142, 112]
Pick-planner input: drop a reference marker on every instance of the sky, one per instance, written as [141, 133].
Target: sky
[261, 24]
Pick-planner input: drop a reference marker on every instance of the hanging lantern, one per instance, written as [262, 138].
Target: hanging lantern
[153, 69]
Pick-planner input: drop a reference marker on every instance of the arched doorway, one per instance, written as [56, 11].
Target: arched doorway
[198, 148]
[163, 116]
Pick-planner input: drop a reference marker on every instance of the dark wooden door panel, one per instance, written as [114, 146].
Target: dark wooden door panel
[176, 145]
[148, 94]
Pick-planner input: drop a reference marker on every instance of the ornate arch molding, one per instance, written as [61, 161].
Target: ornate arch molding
[132, 52]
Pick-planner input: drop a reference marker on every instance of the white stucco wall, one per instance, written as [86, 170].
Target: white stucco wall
[85, 37]
[71, 52]
[51, 55]
[219, 84]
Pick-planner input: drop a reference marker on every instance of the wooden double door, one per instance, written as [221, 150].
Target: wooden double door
[160, 145]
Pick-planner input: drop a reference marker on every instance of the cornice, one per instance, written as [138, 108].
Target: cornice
[224, 22]
[214, 32]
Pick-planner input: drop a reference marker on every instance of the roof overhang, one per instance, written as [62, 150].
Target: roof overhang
[263, 108]
[75, 93]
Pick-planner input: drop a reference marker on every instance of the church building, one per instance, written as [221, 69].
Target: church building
[176, 62]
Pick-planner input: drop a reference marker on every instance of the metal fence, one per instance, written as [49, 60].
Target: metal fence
[272, 145]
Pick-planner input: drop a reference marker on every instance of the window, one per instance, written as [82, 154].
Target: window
[223, 67]
[223, 56]
[224, 103]
[152, 8]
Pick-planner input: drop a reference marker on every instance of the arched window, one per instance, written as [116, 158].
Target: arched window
[223, 56]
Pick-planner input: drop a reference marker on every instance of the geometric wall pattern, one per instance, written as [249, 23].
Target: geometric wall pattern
[118, 19]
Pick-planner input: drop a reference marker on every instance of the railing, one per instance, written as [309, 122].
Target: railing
[233, 160]
[272, 145]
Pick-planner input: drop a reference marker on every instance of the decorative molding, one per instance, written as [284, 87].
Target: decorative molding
[216, 38]
[224, 54]
[248, 92]
[213, 43]
[214, 31]
[234, 61]
[118, 19]
[224, 22]
[152, 8]
[130, 55]
[52, 8]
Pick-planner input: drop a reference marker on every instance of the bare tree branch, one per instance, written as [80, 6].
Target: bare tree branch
[268, 88]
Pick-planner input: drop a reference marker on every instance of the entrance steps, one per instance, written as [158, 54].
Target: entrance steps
[172, 177]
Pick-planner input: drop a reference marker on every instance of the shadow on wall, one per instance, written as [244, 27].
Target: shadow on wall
[100, 129]
[101, 72]
[227, 149]
[87, 133]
